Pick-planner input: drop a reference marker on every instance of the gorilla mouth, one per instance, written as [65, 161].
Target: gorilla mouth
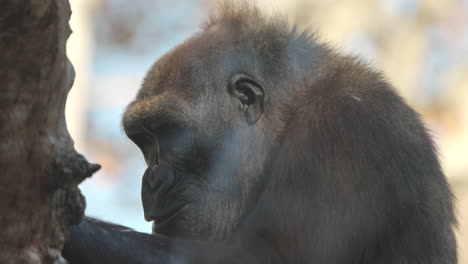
[160, 195]
[160, 188]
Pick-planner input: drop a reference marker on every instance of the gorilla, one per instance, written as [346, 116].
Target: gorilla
[264, 145]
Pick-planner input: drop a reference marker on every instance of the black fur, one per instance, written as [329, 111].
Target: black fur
[265, 146]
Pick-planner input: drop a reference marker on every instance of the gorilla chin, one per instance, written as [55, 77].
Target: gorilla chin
[167, 226]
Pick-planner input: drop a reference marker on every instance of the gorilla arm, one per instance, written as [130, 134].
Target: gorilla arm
[109, 243]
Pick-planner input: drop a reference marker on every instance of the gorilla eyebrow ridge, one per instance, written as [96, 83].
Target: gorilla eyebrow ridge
[154, 112]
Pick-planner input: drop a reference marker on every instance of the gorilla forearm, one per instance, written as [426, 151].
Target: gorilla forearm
[94, 241]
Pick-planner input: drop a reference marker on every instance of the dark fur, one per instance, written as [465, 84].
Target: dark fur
[325, 164]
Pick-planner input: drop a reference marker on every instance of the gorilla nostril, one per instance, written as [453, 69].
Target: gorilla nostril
[150, 178]
[158, 177]
[166, 174]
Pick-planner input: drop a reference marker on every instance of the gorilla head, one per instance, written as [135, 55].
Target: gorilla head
[250, 128]
[207, 119]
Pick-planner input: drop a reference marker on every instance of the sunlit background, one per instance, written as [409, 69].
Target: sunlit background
[421, 45]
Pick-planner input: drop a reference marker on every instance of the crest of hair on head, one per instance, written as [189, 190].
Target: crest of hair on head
[246, 18]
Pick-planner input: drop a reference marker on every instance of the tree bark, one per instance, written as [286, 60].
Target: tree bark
[39, 167]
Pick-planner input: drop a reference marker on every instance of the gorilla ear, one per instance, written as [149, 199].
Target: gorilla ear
[251, 95]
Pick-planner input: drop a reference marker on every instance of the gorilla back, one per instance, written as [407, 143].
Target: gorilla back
[265, 146]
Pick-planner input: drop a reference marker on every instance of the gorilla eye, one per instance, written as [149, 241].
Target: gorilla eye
[145, 143]
[139, 139]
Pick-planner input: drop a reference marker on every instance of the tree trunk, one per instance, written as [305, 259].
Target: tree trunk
[39, 167]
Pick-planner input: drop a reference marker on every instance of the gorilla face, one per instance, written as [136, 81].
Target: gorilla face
[200, 120]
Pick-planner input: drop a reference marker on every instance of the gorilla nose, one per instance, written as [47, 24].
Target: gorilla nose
[166, 177]
[156, 177]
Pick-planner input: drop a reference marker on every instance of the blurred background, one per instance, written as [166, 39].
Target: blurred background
[421, 45]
